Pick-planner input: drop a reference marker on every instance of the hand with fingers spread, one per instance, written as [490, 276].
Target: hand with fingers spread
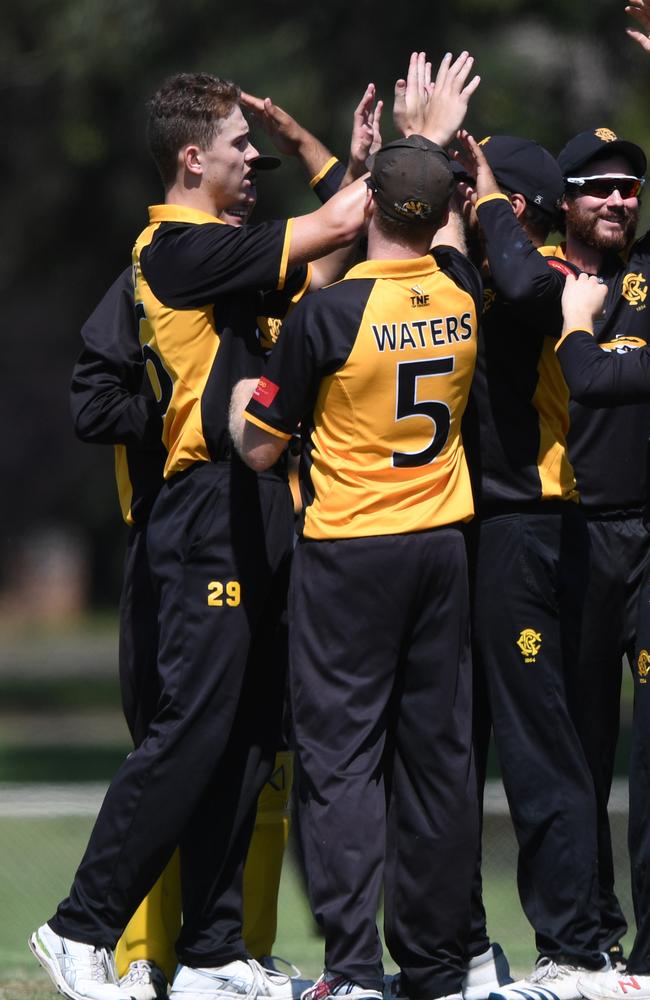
[640, 11]
[412, 96]
[472, 159]
[582, 301]
[366, 134]
[447, 106]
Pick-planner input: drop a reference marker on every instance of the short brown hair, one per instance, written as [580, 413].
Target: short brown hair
[187, 108]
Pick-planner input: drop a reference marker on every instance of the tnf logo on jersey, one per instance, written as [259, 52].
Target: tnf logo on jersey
[635, 290]
[530, 643]
[420, 297]
[643, 666]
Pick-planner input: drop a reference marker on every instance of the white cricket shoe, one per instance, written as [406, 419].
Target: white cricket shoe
[549, 980]
[237, 980]
[79, 971]
[143, 980]
[614, 986]
[486, 973]
[298, 984]
[330, 985]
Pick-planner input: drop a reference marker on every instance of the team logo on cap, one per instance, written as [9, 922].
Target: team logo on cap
[643, 666]
[635, 289]
[414, 208]
[530, 643]
[605, 134]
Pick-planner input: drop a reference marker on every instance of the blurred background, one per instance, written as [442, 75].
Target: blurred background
[74, 78]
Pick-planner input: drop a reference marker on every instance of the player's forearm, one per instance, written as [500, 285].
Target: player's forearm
[602, 378]
[336, 224]
[313, 154]
[239, 400]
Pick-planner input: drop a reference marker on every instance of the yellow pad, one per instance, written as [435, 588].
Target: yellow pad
[152, 931]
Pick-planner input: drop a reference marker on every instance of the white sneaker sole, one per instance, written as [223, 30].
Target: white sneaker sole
[51, 966]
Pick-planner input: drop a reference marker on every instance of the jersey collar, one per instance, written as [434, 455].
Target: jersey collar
[411, 267]
[180, 213]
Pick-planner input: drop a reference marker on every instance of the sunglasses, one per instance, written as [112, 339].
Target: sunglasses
[604, 185]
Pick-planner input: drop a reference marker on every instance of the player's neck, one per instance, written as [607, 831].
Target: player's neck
[587, 258]
[191, 197]
[382, 247]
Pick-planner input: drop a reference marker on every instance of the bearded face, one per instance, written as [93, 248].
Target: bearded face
[608, 226]
[604, 224]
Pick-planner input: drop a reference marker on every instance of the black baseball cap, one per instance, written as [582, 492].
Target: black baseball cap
[265, 162]
[412, 179]
[525, 167]
[599, 142]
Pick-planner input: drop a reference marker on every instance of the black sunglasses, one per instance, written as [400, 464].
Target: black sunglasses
[603, 186]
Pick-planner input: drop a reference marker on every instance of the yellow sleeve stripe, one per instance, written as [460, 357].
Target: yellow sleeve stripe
[323, 171]
[492, 197]
[303, 288]
[265, 427]
[575, 329]
[285, 255]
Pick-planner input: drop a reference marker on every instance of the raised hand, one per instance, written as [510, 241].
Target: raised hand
[447, 107]
[472, 159]
[640, 11]
[366, 134]
[284, 131]
[412, 96]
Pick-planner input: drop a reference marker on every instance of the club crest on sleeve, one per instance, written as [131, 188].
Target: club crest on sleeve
[643, 666]
[265, 391]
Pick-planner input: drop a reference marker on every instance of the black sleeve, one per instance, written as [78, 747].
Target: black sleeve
[192, 265]
[330, 182]
[315, 341]
[603, 378]
[106, 395]
[461, 270]
[520, 273]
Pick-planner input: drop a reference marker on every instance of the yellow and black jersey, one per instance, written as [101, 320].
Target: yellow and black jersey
[112, 402]
[518, 417]
[376, 370]
[200, 286]
[608, 446]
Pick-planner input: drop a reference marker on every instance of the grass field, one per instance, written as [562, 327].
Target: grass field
[39, 856]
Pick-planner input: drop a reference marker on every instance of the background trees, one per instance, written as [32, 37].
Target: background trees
[74, 77]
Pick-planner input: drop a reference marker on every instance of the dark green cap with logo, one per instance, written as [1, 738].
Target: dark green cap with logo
[412, 180]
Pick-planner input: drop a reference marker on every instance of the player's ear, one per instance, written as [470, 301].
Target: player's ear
[518, 202]
[190, 159]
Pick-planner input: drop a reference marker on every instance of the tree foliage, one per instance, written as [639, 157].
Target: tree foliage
[74, 78]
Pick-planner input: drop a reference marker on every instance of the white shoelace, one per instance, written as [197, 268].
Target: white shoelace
[261, 975]
[98, 965]
[139, 974]
[295, 971]
[548, 969]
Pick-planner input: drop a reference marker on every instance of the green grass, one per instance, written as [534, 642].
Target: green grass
[40, 856]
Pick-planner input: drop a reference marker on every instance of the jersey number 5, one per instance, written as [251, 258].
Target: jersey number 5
[408, 373]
